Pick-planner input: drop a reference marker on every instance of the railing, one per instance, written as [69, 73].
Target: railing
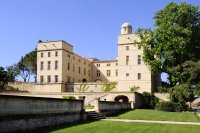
[95, 99]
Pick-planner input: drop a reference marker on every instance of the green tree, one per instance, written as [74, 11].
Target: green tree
[108, 86]
[27, 66]
[83, 87]
[134, 88]
[175, 39]
[30, 62]
[24, 72]
[181, 93]
[5, 77]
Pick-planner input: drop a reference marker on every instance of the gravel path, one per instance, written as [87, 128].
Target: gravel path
[149, 121]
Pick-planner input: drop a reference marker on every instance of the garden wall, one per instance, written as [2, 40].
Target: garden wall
[111, 107]
[20, 113]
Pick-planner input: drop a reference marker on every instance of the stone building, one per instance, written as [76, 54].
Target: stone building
[60, 69]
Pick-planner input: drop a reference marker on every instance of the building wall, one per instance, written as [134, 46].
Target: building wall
[129, 69]
[104, 67]
[68, 63]
[72, 68]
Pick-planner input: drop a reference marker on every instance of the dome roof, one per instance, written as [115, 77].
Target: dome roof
[126, 25]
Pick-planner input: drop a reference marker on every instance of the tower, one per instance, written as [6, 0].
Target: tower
[132, 71]
[126, 28]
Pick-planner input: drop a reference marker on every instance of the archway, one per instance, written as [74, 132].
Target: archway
[84, 80]
[98, 80]
[121, 98]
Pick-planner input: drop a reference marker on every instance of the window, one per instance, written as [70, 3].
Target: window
[56, 53]
[48, 79]
[79, 60]
[41, 65]
[56, 78]
[84, 63]
[84, 71]
[116, 64]
[116, 73]
[49, 54]
[49, 65]
[127, 47]
[139, 59]
[68, 66]
[56, 65]
[108, 73]
[139, 47]
[127, 60]
[68, 55]
[42, 55]
[41, 79]
[98, 65]
[79, 70]
[139, 76]
[127, 74]
[73, 58]
[108, 64]
[98, 73]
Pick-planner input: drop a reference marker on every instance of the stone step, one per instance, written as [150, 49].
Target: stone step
[92, 115]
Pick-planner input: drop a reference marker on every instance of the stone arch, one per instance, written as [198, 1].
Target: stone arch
[98, 80]
[121, 98]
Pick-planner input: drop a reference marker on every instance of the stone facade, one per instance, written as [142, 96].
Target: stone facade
[59, 65]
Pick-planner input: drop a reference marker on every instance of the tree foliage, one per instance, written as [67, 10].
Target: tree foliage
[26, 67]
[83, 87]
[134, 88]
[109, 86]
[5, 77]
[181, 93]
[175, 39]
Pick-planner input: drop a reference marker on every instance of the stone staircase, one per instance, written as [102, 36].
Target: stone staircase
[93, 115]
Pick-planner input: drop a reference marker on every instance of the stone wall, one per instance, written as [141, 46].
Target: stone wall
[22, 86]
[90, 87]
[111, 107]
[163, 96]
[19, 113]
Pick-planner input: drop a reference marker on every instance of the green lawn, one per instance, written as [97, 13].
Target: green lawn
[141, 114]
[123, 127]
[127, 127]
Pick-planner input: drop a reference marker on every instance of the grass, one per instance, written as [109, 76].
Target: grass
[127, 127]
[141, 114]
[123, 127]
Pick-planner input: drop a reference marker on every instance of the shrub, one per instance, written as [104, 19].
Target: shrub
[150, 100]
[69, 97]
[134, 88]
[161, 89]
[165, 106]
[89, 106]
[169, 106]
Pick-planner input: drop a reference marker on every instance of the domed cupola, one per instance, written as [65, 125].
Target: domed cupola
[126, 28]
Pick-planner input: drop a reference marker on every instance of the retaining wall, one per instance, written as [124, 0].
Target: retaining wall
[111, 107]
[20, 113]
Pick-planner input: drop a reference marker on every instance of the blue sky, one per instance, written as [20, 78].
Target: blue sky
[91, 26]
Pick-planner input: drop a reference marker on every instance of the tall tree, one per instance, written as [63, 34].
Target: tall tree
[30, 62]
[176, 39]
[27, 66]
[5, 77]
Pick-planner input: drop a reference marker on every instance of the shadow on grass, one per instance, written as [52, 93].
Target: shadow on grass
[48, 129]
[118, 113]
